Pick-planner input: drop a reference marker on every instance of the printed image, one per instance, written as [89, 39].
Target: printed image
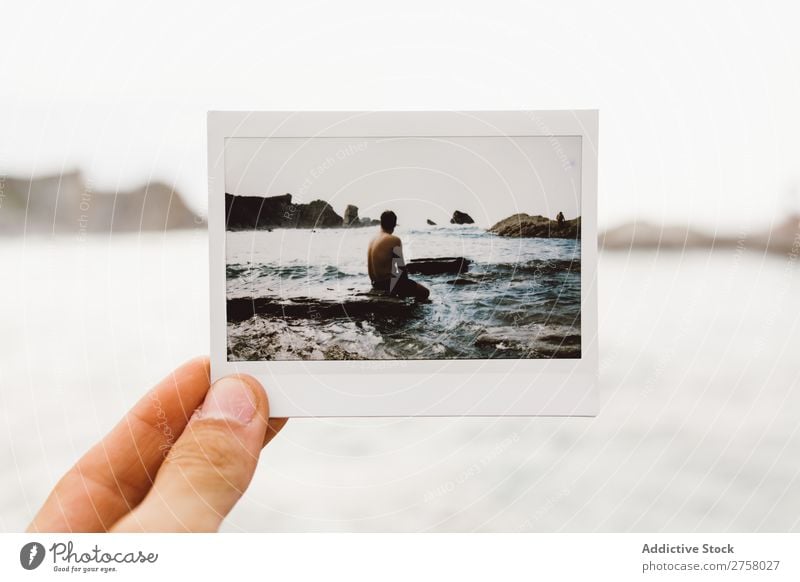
[403, 248]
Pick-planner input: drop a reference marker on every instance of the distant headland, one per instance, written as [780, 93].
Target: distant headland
[67, 204]
[259, 212]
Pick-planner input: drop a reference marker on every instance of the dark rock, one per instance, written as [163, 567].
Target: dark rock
[461, 218]
[562, 340]
[248, 212]
[351, 215]
[64, 204]
[462, 281]
[430, 222]
[339, 353]
[245, 212]
[317, 214]
[357, 305]
[553, 346]
[366, 221]
[438, 266]
[526, 226]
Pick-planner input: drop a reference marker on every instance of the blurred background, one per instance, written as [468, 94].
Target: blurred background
[103, 250]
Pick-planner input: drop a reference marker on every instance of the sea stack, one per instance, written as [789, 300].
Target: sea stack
[461, 218]
[351, 215]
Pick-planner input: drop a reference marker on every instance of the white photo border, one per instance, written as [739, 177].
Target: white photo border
[469, 387]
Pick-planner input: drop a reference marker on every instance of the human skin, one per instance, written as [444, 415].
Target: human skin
[178, 461]
[380, 253]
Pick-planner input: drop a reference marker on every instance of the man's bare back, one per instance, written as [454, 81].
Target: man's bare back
[380, 254]
[385, 263]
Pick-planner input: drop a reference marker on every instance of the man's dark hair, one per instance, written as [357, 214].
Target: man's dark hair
[388, 220]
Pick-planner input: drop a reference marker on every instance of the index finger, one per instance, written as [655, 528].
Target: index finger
[114, 476]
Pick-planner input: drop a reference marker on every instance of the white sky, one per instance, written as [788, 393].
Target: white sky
[418, 178]
[699, 116]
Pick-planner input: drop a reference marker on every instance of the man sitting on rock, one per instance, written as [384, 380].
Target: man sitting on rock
[385, 264]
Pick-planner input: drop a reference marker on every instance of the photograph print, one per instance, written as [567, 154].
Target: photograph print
[403, 248]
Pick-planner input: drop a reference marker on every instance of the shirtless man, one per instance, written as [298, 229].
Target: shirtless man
[387, 271]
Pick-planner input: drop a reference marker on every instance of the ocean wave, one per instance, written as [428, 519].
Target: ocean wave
[539, 266]
[265, 338]
[291, 272]
[478, 272]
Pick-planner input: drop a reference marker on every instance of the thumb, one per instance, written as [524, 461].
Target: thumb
[209, 467]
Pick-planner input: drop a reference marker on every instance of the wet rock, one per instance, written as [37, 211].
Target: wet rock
[353, 306]
[526, 226]
[438, 266]
[461, 218]
[562, 347]
[339, 353]
[430, 222]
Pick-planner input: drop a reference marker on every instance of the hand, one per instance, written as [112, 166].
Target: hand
[178, 461]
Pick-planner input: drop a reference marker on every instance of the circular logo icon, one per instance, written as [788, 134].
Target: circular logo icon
[31, 555]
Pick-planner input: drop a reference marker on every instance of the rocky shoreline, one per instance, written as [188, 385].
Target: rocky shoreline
[258, 212]
[526, 226]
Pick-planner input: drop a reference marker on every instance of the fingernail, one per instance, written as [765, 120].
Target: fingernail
[230, 399]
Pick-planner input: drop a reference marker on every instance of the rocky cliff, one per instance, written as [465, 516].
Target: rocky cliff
[247, 212]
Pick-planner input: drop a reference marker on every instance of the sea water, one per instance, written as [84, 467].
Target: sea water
[699, 390]
[519, 299]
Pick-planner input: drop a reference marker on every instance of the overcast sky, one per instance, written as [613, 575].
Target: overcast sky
[418, 178]
[699, 115]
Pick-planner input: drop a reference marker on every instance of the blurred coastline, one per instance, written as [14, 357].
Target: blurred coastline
[782, 237]
[67, 204]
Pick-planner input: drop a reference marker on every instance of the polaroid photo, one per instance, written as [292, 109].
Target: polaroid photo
[406, 263]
